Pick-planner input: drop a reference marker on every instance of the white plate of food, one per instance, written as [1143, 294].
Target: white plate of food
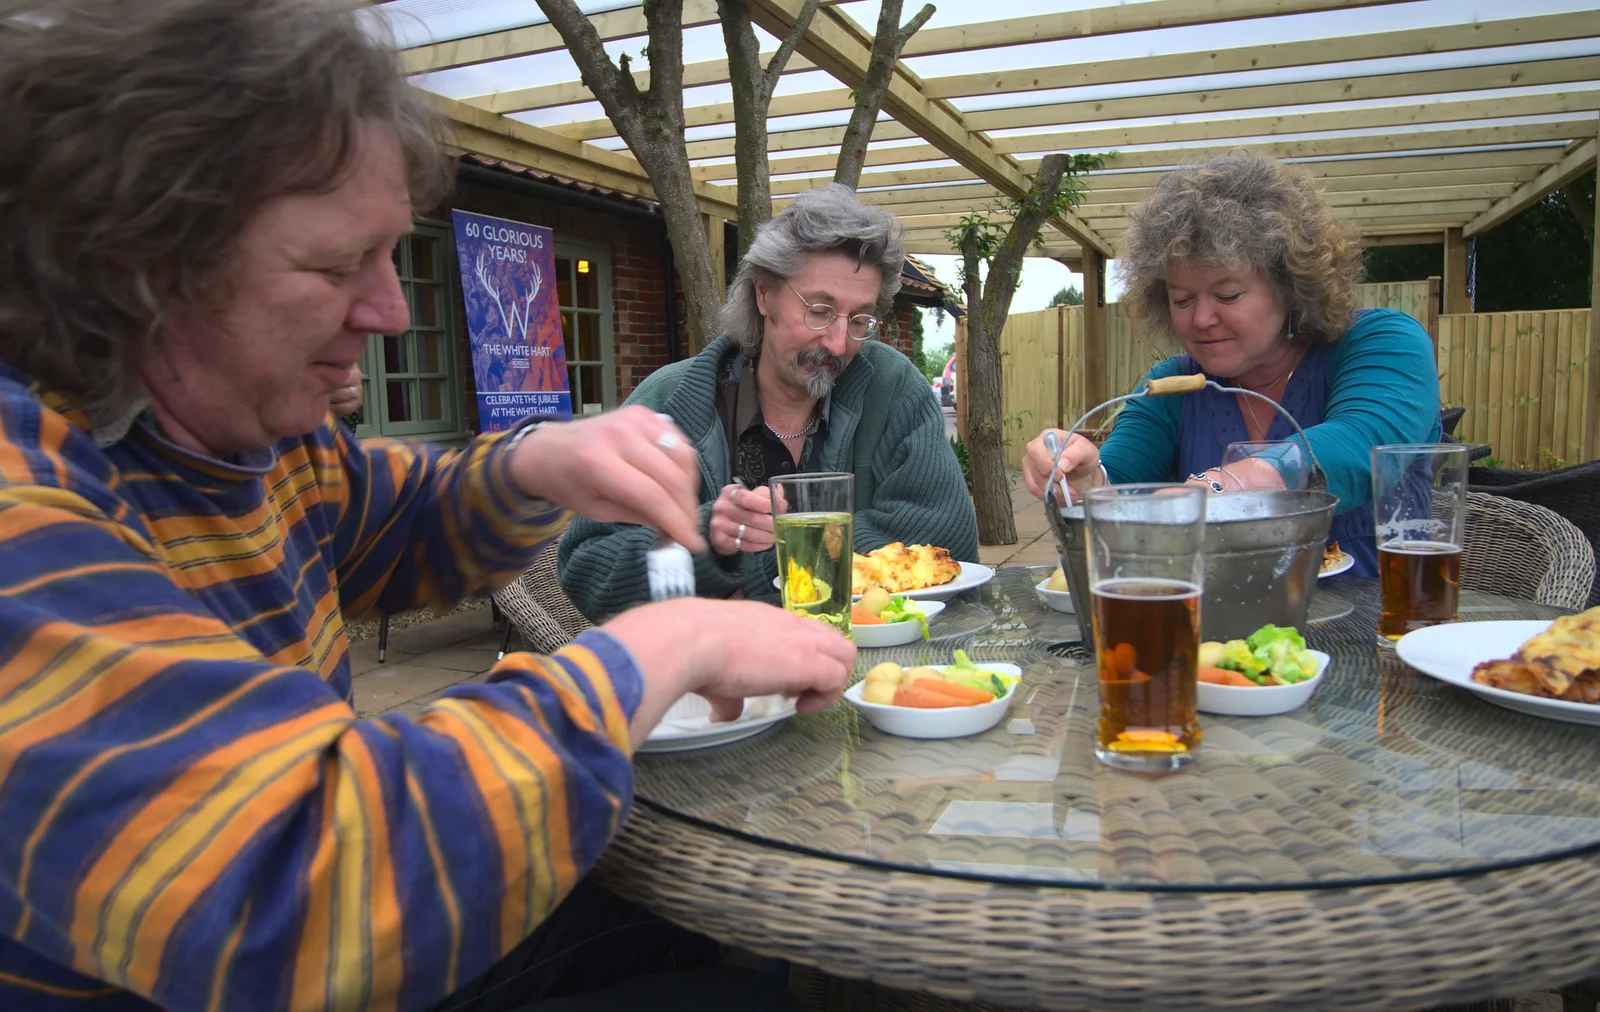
[688, 725]
[1335, 561]
[1051, 597]
[967, 577]
[956, 720]
[1452, 651]
[899, 626]
[1260, 700]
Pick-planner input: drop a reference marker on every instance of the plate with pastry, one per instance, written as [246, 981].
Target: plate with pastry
[1335, 560]
[920, 572]
[1547, 669]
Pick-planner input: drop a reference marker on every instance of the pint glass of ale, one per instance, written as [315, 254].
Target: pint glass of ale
[1145, 549]
[1419, 495]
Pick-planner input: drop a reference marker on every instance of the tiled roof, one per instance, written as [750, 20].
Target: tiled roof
[550, 177]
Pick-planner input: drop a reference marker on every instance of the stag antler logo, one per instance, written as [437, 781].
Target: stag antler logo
[515, 322]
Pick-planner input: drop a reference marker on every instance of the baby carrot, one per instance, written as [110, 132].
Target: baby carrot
[1234, 678]
[1216, 676]
[925, 698]
[963, 692]
[860, 617]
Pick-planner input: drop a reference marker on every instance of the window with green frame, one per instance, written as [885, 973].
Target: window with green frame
[412, 385]
[583, 292]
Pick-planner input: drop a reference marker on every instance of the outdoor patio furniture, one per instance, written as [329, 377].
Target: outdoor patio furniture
[1522, 550]
[536, 607]
[1397, 843]
[1573, 492]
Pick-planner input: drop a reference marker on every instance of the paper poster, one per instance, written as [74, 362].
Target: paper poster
[508, 286]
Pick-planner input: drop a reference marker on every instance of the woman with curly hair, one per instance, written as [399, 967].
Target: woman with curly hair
[1242, 260]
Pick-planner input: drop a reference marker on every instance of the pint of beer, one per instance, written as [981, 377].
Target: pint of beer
[1145, 568]
[1419, 495]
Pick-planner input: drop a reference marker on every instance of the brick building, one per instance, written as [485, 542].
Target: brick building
[614, 272]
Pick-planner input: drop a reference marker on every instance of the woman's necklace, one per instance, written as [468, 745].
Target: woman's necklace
[1250, 407]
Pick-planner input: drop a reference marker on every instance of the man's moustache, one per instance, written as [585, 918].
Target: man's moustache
[821, 359]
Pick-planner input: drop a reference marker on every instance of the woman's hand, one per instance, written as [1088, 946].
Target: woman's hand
[1248, 475]
[1080, 464]
[741, 520]
[728, 651]
[625, 466]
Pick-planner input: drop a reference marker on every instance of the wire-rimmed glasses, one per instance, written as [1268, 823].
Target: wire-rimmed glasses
[821, 317]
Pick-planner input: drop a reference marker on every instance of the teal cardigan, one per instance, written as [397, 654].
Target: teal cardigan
[884, 426]
[1383, 388]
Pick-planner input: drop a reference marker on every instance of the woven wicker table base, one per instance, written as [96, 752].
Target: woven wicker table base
[1412, 945]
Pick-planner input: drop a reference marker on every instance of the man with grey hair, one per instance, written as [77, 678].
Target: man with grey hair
[796, 384]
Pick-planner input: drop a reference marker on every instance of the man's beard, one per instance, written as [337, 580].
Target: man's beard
[820, 368]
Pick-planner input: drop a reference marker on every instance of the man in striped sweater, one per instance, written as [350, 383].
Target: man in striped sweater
[198, 202]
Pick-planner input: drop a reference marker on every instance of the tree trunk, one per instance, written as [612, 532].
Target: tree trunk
[886, 46]
[988, 305]
[752, 95]
[980, 389]
[651, 123]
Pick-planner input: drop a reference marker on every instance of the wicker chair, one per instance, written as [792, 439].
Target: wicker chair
[1573, 492]
[1522, 550]
[535, 606]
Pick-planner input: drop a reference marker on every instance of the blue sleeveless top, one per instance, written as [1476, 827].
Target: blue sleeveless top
[1209, 421]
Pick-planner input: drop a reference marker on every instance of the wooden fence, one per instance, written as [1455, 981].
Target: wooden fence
[1417, 299]
[1523, 378]
[1042, 366]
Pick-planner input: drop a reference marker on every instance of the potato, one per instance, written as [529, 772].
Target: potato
[880, 692]
[888, 671]
[1211, 654]
[874, 601]
[1058, 580]
[912, 674]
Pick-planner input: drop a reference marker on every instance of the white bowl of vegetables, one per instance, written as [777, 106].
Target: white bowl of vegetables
[882, 620]
[944, 701]
[1269, 672]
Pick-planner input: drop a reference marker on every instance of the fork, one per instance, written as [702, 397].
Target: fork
[670, 570]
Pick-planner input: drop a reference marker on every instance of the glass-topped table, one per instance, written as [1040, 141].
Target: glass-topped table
[1407, 816]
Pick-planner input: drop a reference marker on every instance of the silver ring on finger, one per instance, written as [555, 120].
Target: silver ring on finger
[738, 543]
[668, 441]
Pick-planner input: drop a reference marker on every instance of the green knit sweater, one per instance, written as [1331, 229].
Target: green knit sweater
[885, 427]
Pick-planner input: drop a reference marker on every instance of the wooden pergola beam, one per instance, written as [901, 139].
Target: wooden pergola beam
[1405, 239]
[514, 141]
[1375, 144]
[1582, 100]
[541, 38]
[1420, 114]
[1521, 163]
[1378, 45]
[1342, 89]
[1572, 165]
[837, 45]
[930, 41]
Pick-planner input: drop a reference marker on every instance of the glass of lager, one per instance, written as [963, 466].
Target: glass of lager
[1419, 495]
[812, 520]
[1146, 567]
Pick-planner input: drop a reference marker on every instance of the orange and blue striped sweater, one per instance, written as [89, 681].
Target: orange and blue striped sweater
[191, 815]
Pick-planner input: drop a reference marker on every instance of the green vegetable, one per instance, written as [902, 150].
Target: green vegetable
[899, 609]
[1237, 656]
[1282, 652]
[964, 672]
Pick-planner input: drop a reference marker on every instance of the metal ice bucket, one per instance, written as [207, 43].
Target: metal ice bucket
[1263, 551]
